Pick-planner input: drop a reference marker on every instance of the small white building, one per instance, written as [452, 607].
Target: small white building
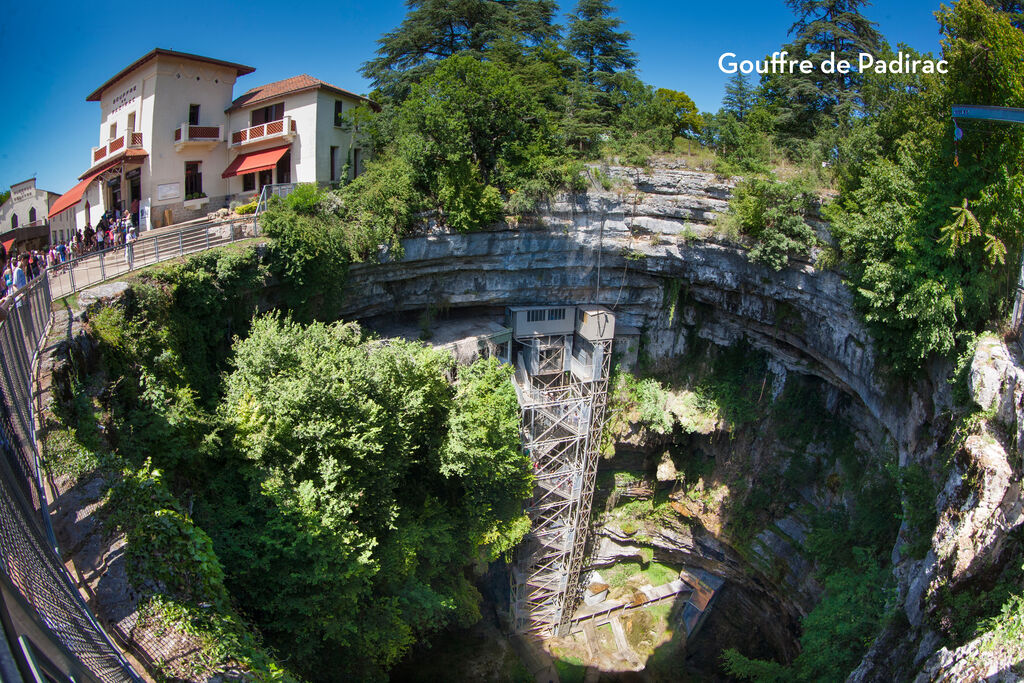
[24, 216]
[292, 131]
[173, 145]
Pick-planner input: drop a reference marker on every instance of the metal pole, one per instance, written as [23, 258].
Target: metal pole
[181, 248]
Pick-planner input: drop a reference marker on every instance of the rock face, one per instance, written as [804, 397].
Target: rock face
[650, 251]
[629, 250]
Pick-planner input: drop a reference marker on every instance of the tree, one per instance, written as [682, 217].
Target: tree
[595, 40]
[739, 96]
[367, 489]
[434, 30]
[684, 120]
[1013, 10]
[823, 28]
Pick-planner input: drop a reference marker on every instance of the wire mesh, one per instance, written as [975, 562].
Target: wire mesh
[30, 564]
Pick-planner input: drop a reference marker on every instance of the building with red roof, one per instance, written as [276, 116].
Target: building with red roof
[174, 139]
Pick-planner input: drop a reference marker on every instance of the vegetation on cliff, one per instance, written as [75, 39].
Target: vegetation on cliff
[307, 487]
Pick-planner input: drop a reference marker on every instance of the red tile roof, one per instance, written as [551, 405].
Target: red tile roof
[240, 69]
[290, 86]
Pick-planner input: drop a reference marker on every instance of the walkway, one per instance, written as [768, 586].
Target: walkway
[163, 245]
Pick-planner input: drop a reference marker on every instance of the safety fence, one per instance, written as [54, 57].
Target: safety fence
[91, 269]
[50, 632]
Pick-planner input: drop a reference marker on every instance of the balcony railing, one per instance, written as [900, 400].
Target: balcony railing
[130, 140]
[188, 135]
[283, 128]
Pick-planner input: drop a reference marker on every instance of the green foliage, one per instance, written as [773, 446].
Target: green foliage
[918, 494]
[369, 488]
[483, 451]
[774, 213]
[595, 40]
[925, 278]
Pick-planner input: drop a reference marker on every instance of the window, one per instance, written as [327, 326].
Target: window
[249, 182]
[14, 221]
[556, 314]
[131, 122]
[193, 179]
[535, 316]
[274, 112]
[193, 114]
[334, 164]
[338, 108]
[32, 215]
[113, 130]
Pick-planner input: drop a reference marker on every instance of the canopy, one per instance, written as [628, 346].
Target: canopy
[72, 196]
[8, 244]
[264, 160]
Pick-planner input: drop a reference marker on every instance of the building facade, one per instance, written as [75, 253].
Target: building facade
[174, 145]
[24, 217]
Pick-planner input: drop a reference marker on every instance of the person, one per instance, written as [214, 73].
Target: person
[99, 238]
[19, 278]
[129, 249]
[87, 237]
[135, 211]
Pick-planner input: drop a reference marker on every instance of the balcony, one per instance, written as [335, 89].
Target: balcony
[115, 146]
[283, 129]
[189, 136]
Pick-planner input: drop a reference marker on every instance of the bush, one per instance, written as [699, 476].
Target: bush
[773, 213]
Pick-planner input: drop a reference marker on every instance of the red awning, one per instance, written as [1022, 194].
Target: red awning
[72, 196]
[7, 245]
[264, 160]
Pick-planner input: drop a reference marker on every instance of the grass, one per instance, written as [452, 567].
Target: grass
[635, 573]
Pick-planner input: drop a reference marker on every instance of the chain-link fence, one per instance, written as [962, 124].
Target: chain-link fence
[93, 268]
[50, 632]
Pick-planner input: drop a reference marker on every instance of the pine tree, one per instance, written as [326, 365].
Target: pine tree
[436, 29]
[823, 27]
[739, 96]
[595, 40]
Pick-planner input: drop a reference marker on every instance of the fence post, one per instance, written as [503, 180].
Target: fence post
[71, 274]
[207, 236]
[156, 249]
[231, 231]
[181, 248]
[103, 270]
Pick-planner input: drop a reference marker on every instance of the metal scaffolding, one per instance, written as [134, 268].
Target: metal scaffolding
[562, 358]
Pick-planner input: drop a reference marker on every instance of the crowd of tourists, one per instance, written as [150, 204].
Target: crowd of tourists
[115, 229]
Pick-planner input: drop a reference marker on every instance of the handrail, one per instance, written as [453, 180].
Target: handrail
[42, 613]
[96, 267]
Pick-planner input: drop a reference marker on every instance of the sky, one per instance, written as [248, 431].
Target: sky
[55, 53]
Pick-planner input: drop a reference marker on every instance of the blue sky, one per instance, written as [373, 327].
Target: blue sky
[55, 54]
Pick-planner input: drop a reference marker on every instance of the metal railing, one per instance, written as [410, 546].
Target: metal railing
[49, 630]
[92, 268]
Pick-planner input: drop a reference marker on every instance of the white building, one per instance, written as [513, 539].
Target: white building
[172, 138]
[24, 216]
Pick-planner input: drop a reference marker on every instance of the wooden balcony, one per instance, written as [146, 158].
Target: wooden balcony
[116, 146]
[283, 129]
[189, 136]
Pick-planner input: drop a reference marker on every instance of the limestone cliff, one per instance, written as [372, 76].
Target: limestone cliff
[650, 249]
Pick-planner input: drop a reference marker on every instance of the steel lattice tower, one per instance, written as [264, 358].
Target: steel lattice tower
[562, 358]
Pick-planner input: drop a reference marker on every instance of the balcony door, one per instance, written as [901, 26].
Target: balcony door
[274, 112]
